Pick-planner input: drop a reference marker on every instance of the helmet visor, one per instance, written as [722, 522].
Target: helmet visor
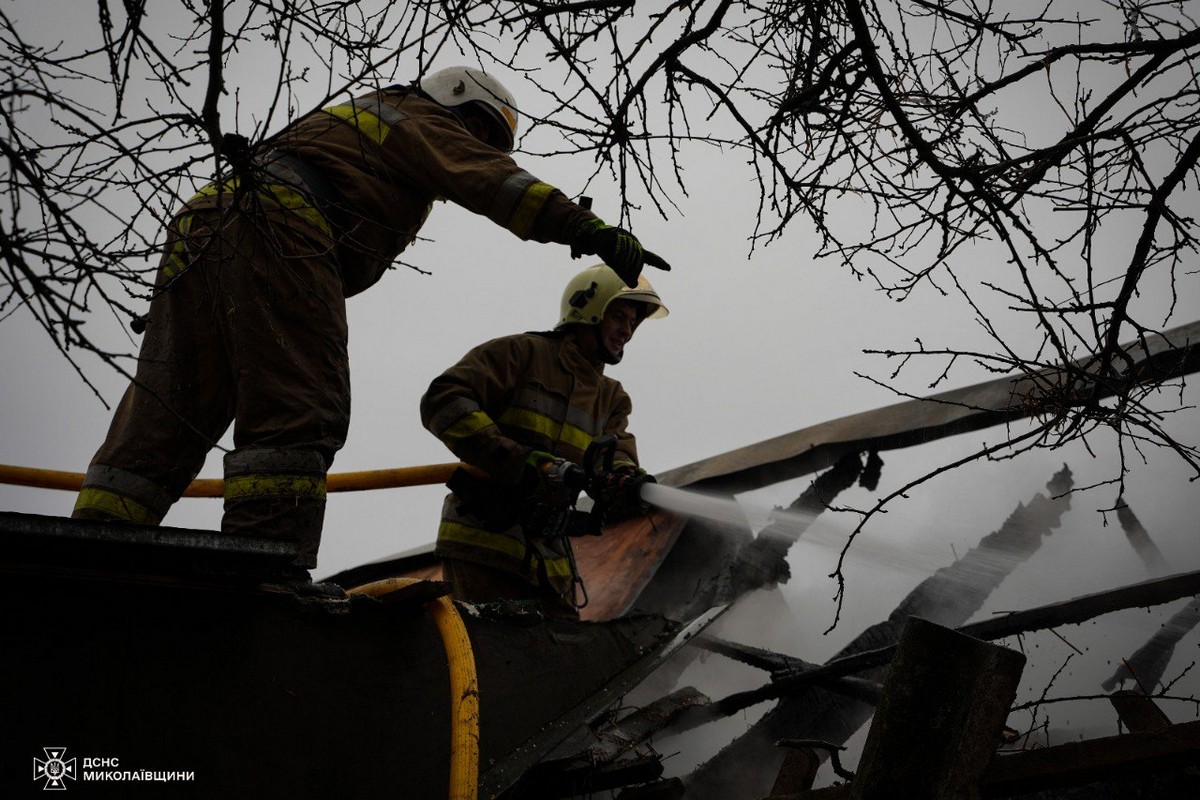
[500, 135]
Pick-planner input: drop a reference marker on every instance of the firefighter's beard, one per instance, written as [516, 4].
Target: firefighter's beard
[606, 352]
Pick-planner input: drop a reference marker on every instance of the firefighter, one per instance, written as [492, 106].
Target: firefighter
[247, 324]
[522, 410]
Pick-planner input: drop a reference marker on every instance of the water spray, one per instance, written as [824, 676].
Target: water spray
[822, 534]
[805, 529]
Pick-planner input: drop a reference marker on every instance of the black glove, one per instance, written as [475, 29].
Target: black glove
[616, 247]
[550, 480]
[563, 474]
[620, 491]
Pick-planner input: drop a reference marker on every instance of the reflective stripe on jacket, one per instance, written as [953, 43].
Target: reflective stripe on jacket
[388, 155]
[505, 398]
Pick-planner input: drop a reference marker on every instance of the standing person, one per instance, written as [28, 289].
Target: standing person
[522, 410]
[248, 320]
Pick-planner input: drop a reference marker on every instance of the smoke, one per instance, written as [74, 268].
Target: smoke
[816, 536]
[919, 538]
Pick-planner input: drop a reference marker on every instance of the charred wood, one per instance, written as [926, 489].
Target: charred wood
[1153, 359]
[1147, 665]
[1138, 712]
[615, 739]
[798, 771]
[949, 598]
[766, 660]
[1081, 609]
[939, 720]
[1094, 760]
[1068, 612]
[1140, 539]
[723, 563]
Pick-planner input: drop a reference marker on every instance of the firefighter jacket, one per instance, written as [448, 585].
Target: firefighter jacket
[503, 400]
[366, 172]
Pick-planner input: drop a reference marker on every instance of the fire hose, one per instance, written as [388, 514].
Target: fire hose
[426, 475]
[464, 686]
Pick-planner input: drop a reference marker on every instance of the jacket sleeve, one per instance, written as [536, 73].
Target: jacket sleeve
[454, 409]
[435, 151]
[618, 422]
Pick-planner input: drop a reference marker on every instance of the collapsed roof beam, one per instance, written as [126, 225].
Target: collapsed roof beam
[949, 597]
[1068, 612]
[1157, 358]
[1140, 541]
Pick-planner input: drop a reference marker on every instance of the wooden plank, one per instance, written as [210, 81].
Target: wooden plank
[1165, 356]
[617, 565]
[1078, 763]
[1139, 713]
[1081, 609]
[615, 739]
[1139, 539]
[938, 723]
[798, 771]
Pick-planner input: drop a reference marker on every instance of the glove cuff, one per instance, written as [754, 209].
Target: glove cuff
[588, 227]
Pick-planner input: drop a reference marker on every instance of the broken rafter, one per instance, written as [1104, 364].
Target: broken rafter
[1077, 763]
[1156, 358]
[766, 660]
[1069, 612]
[611, 759]
[948, 598]
[934, 729]
[1148, 664]
[1140, 539]
[1081, 609]
[779, 665]
[614, 739]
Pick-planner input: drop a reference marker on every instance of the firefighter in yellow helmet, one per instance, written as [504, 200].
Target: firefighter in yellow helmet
[523, 410]
[248, 322]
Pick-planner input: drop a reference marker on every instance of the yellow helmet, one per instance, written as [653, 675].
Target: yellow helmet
[457, 86]
[589, 293]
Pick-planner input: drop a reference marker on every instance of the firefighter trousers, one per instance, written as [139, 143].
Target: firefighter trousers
[248, 326]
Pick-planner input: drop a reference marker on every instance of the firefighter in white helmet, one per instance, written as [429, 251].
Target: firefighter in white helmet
[248, 322]
[522, 410]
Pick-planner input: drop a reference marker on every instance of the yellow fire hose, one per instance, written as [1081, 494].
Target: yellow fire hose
[215, 487]
[464, 687]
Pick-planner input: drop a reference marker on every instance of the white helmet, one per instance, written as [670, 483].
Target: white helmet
[457, 86]
[589, 294]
